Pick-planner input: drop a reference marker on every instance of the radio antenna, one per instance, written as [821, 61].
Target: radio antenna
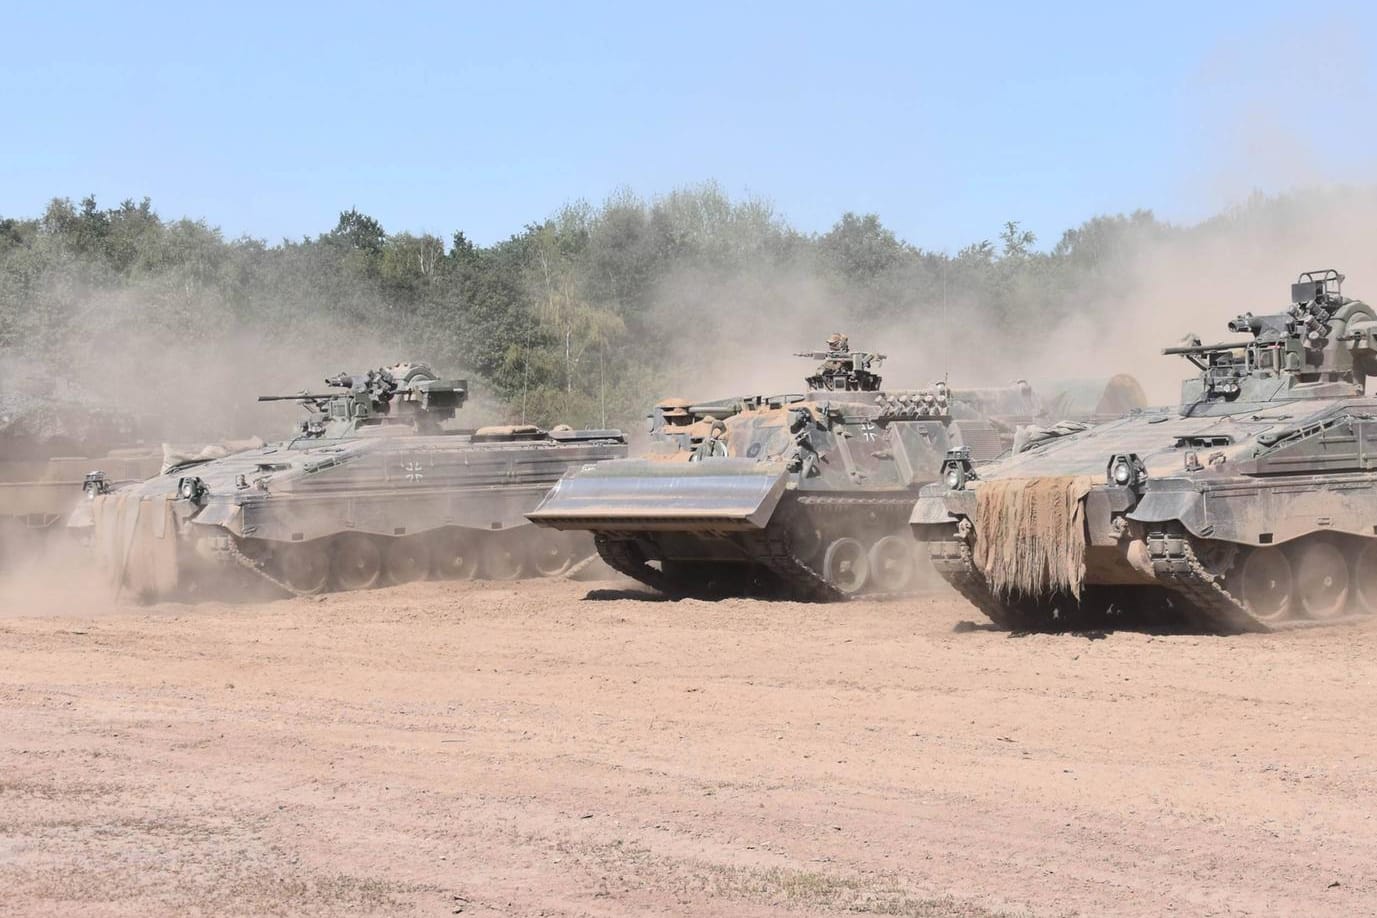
[946, 332]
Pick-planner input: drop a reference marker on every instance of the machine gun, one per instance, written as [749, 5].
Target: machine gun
[420, 399]
[843, 369]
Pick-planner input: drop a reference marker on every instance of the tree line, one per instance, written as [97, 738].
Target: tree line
[574, 318]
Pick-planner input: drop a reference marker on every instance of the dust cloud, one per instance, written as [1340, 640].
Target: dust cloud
[1162, 284]
[1194, 282]
[1277, 175]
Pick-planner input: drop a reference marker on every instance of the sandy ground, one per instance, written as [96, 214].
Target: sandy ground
[568, 748]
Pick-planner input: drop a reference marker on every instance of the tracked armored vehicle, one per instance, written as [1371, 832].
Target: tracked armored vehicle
[1252, 506]
[803, 495]
[373, 488]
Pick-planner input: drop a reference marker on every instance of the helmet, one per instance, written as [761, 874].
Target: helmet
[837, 341]
[673, 407]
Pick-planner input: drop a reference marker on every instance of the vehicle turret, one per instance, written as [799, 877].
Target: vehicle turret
[843, 369]
[1323, 346]
[408, 396]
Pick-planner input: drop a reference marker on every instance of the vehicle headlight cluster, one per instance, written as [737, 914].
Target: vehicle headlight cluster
[954, 477]
[1126, 470]
[957, 468]
[191, 488]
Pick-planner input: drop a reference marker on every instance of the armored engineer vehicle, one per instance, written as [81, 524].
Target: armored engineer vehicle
[372, 488]
[804, 495]
[1250, 507]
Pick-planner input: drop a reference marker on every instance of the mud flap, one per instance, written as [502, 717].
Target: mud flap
[1170, 500]
[719, 495]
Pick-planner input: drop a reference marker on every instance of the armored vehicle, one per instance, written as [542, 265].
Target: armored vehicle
[801, 495]
[47, 446]
[372, 488]
[1252, 506]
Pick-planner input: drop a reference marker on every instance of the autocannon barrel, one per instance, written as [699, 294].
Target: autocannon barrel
[1205, 348]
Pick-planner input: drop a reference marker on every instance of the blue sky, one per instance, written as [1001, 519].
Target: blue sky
[268, 119]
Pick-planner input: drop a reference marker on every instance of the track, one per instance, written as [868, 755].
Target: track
[1199, 598]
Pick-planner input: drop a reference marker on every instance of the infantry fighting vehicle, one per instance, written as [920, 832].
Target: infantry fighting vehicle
[805, 495]
[372, 488]
[1251, 506]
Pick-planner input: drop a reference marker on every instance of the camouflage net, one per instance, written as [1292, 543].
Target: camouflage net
[1028, 435]
[177, 456]
[1030, 534]
[136, 542]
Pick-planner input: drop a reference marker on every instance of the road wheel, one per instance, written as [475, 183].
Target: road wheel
[891, 564]
[550, 551]
[303, 566]
[1365, 576]
[454, 554]
[503, 556]
[845, 565]
[407, 559]
[1322, 581]
[357, 562]
[1264, 584]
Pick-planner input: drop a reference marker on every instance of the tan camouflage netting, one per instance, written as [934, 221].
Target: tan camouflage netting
[136, 542]
[1030, 534]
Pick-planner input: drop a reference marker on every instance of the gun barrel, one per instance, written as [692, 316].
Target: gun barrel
[1206, 348]
[301, 397]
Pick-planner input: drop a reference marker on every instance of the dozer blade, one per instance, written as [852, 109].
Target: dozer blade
[636, 494]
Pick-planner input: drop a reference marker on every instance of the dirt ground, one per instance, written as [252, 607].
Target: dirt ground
[565, 748]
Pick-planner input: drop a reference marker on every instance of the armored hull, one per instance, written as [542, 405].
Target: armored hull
[348, 506]
[1251, 506]
[805, 496]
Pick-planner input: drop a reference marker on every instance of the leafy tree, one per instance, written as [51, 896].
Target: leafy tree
[584, 317]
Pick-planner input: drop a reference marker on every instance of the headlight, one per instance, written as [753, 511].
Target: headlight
[1126, 470]
[954, 478]
[957, 468]
[95, 484]
[191, 488]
